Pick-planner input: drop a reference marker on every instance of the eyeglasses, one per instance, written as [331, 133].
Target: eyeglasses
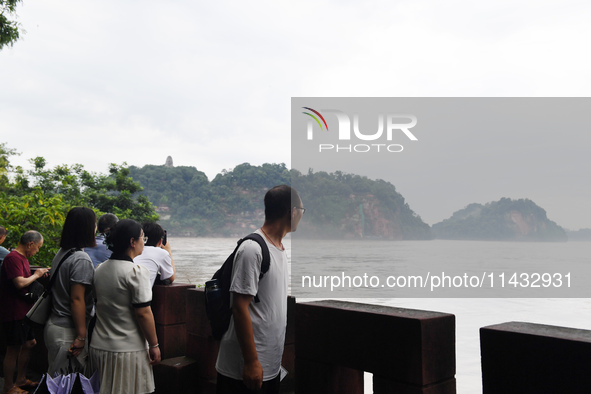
[303, 209]
[144, 238]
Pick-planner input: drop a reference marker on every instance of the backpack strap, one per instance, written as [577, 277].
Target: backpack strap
[266, 263]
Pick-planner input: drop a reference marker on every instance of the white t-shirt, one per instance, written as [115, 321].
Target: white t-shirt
[156, 260]
[269, 316]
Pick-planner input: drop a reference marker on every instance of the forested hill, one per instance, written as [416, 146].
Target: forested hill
[351, 206]
[190, 205]
[506, 219]
[337, 205]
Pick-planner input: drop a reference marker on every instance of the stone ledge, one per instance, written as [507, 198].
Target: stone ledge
[408, 346]
[520, 357]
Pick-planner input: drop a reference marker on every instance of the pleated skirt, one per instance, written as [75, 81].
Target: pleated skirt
[122, 372]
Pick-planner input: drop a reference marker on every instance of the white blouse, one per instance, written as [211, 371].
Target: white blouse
[121, 286]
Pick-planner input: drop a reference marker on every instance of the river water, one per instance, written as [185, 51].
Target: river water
[197, 259]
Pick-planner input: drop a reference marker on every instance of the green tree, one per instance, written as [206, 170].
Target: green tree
[39, 199]
[9, 29]
[118, 193]
[34, 211]
[5, 167]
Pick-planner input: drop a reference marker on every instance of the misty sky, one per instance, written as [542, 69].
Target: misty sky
[210, 83]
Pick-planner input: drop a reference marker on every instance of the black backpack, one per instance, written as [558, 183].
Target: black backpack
[217, 290]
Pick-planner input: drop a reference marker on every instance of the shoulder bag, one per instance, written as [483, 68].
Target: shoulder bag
[39, 312]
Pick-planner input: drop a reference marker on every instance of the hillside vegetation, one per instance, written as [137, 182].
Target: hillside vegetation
[337, 205]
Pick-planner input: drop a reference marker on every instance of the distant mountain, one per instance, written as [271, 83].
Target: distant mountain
[338, 205]
[506, 220]
[583, 234]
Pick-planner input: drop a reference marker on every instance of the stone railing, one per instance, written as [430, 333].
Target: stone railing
[407, 351]
[534, 358]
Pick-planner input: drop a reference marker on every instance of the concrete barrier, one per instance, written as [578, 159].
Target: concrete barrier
[408, 351]
[532, 358]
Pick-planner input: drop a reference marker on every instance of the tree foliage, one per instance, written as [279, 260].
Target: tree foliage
[191, 204]
[34, 211]
[9, 29]
[39, 199]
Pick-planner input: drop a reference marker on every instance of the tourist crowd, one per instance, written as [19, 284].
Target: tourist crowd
[101, 319]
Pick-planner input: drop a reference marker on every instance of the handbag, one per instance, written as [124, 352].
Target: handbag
[34, 292]
[39, 312]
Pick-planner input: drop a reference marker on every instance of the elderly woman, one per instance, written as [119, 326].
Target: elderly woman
[124, 344]
[72, 290]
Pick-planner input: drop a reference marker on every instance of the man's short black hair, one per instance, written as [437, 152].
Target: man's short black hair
[279, 201]
[106, 221]
[78, 230]
[154, 232]
[3, 231]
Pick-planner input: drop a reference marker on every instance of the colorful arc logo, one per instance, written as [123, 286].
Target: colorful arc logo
[315, 118]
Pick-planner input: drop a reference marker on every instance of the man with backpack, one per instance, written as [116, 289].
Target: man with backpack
[250, 352]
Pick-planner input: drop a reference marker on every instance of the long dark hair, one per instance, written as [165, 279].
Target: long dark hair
[119, 236]
[79, 229]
